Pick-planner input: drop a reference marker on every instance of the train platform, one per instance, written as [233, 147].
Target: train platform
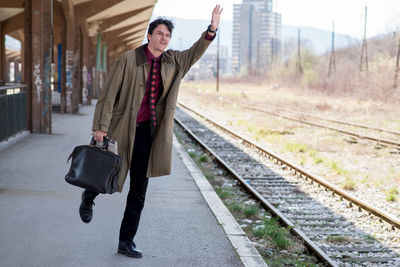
[183, 222]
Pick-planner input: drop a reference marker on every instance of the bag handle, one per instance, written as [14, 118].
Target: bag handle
[105, 142]
[93, 142]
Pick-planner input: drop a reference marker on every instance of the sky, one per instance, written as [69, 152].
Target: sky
[382, 15]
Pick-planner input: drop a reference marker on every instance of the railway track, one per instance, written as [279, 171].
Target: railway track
[302, 114]
[330, 223]
[302, 119]
[357, 130]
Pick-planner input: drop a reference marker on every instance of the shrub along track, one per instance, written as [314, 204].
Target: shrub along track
[335, 230]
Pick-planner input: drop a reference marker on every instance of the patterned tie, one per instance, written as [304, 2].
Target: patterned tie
[153, 92]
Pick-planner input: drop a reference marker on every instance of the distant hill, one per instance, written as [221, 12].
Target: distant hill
[188, 31]
[319, 39]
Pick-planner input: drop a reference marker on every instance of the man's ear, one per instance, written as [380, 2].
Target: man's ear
[148, 36]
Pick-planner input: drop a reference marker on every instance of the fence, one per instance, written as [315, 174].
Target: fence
[12, 109]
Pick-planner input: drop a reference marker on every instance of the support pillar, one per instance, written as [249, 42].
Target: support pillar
[3, 71]
[98, 65]
[70, 67]
[42, 49]
[28, 70]
[23, 60]
[47, 43]
[85, 57]
[63, 72]
[89, 65]
[69, 77]
[92, 77]
[77, 86]
[17, 72]
[6, 74]
[104, 60]
[90, 73]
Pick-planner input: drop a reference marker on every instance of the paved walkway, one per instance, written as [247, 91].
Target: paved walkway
[40, 224]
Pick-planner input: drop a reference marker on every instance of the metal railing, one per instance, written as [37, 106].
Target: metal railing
[12, 109]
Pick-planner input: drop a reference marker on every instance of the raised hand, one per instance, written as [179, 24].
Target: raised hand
[216, 13]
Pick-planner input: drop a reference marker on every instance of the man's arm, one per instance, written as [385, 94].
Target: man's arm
[106, 99]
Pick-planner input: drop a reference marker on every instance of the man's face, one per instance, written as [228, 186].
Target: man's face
[160, 38]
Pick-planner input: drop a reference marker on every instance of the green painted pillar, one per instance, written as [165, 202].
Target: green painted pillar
[104, 57]
[98, 52]
[98, 66]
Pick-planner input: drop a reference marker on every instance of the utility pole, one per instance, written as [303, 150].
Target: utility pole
[332, 61]
[274, 40]
[364, 53]
[298, 61]
[257, 70]
[396, 71]
[218, 61]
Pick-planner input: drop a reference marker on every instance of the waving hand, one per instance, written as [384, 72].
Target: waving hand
[215, 17]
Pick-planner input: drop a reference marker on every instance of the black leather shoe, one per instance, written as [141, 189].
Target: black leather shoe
[86, 209]
[128, 248]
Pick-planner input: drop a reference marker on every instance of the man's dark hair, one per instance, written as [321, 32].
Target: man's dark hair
[159, 21]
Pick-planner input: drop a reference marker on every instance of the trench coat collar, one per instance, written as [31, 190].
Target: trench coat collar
[141, 56]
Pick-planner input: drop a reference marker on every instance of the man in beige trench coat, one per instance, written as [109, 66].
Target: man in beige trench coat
[136, 107]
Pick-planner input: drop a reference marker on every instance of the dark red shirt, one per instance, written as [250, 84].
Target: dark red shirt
[144, 111]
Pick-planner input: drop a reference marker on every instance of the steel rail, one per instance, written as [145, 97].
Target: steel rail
[383, 141]
[336, 190]
[341, 122]
[265, 203]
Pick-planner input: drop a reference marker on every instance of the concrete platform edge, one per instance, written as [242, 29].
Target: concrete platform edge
[13, 139]
[248, 254]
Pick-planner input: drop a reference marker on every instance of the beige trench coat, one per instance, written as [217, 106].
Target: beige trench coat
[121, 96]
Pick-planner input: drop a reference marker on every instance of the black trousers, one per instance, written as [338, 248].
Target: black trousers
[138, 184]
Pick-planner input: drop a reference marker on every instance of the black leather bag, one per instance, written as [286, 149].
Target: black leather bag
[94, 168]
